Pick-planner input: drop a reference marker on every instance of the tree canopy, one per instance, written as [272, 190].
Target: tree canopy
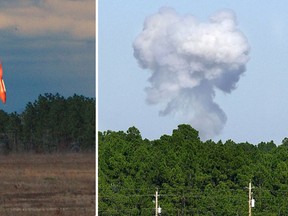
[192, 177]
[49, 124]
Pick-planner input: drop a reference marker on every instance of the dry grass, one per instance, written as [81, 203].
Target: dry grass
[60, 184]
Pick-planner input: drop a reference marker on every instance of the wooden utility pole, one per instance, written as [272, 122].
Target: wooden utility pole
[250, 198]
[156, 203]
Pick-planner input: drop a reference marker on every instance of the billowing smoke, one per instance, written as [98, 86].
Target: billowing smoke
[189, 59]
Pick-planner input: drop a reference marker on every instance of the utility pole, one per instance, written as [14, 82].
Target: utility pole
[251, 201]
[250, 197]
[156, 203]
[157, 207]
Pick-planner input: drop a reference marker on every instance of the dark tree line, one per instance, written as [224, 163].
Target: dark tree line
[51, 123]
[193, 177]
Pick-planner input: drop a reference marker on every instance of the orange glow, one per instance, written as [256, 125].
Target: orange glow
[2, 86]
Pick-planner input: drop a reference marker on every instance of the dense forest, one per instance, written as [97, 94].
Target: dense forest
[51, 123]
[192, 177]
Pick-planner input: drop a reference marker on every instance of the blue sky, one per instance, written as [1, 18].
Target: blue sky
[255, 110]
[47, 47]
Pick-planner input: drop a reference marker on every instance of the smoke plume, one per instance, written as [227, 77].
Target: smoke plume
[189, 59]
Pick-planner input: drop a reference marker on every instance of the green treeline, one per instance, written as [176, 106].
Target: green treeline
[192, 177]
[51, 124]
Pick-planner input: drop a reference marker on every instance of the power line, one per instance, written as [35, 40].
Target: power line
[187, 192]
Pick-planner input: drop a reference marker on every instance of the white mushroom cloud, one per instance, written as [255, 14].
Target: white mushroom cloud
[189, 59]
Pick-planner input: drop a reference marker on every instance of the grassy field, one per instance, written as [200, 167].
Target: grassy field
[59, 184]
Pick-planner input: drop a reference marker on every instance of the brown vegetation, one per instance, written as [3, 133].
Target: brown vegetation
[57, 184]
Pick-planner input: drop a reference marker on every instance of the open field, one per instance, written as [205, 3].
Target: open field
[59, 184]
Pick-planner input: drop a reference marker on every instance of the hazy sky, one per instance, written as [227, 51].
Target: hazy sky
[255, 110]
[46, 46]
